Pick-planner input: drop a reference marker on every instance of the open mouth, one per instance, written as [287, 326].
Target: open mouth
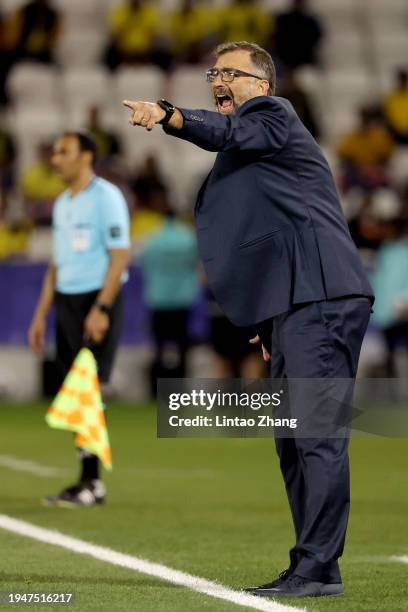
[224, 102]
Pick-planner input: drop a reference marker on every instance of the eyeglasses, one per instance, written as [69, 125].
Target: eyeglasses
[228, 74]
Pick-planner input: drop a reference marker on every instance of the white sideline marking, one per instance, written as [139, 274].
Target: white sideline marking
[200, 585]
[25, 465]
[403, 559]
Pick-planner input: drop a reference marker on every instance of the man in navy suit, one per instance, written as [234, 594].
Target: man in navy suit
[279, 258]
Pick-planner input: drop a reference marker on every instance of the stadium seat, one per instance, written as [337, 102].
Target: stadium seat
[190, 89]
[82, 14]
[340, 121]
[138, 143]
[399, 167]
[83, 48]
[380, 9]
[276, 6]
[332, 159]
[85, 87]
[195, 164]
[77, 117]
[310, 79]
[343, 49]
[33, 126]
[33, 84]
[327, 7]
[391, 50]
[144, 83]
[11, 5]
[349, 88]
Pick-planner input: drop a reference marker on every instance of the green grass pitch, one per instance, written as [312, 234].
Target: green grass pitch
[211, 507]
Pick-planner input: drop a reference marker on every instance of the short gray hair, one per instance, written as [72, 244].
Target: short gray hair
[259, 57]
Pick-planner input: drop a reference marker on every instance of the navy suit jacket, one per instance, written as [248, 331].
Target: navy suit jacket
[271, 230]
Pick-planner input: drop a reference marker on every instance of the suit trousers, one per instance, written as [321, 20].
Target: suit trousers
[317, 340]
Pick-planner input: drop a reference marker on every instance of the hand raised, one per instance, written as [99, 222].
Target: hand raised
[145, 114]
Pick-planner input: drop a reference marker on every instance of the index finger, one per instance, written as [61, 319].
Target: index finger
[130, 104]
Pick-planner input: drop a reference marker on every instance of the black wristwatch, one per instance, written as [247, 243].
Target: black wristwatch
[103, 308]
[168, 108]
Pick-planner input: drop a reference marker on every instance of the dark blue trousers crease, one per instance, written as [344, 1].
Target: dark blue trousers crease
[320, 340]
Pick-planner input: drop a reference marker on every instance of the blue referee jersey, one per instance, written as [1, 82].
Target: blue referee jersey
[85, 228]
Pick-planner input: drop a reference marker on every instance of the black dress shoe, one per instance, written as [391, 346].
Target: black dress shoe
[270, 585]
[296, 586]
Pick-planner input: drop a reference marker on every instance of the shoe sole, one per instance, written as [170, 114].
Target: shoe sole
[328, 590]
[61, 503]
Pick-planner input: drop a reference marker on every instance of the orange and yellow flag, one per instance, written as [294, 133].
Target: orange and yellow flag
[78, 407]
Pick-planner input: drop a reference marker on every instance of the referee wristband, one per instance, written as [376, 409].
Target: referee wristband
[103, 308]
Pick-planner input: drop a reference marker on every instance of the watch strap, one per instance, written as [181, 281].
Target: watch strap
[168, 108]
[103, 308]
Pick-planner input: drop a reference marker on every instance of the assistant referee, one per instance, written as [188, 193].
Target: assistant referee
[83, 281]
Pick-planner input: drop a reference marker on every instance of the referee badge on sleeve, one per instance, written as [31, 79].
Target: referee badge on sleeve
[115, 231]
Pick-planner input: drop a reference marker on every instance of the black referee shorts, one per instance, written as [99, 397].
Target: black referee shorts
[71, 311]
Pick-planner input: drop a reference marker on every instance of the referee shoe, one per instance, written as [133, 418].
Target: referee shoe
[85, 493]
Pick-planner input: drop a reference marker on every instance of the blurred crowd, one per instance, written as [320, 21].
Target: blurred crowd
[370, 161]
[140, 32]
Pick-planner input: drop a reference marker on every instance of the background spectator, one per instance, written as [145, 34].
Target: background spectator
[391, 287]
[170, 269]
[40, 185]
[365, 153]
[7, 167]
[107, 142]
[396, 108]
[194, 31]
[234, 356]
[370, 160]
[293, 91]
[297, 36]
[6, 60]
[134, 27]
[34, 30]
[30, 33]
[245, 20]
[147, 180]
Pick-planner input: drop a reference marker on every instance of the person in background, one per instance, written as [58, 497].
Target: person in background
[40, 185]
[298, 35]
[366, 226]
[6, 54]
[134, 26]
[390, 283]
[83, 282]
[292, 91]
[34, 30]
[107, 143]
[234, 356]
[245, 20]
[7, 167]
[194, 29]
[395, 108]
[169, 264]
[365, 153]
[150, 200]
[147, 180]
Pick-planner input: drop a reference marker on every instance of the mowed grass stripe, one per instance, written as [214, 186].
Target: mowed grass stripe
[161, 572]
